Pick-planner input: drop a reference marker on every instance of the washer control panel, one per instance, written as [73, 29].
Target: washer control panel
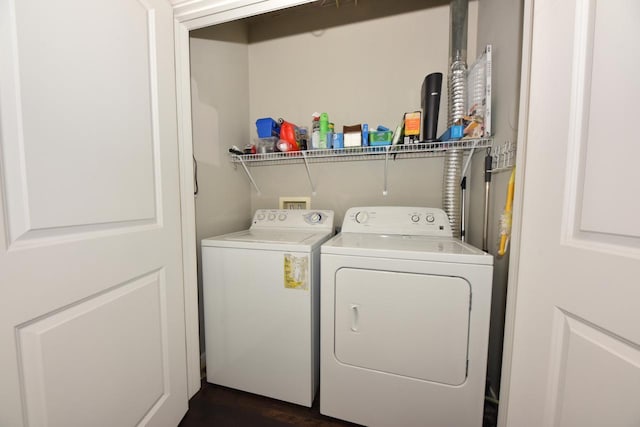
[415, 221]
[293, 218]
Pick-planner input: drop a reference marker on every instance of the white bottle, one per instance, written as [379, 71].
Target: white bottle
[315, 131]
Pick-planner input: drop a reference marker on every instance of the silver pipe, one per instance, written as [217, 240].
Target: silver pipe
[463, 219]
[457, 79]
[457, 87]
[488, 161]
[485, 227]
[451, 202]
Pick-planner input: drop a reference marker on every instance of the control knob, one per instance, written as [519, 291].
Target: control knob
[362, 217]
[315, 218]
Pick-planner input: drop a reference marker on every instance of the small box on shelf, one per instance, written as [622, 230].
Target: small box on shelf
[380, 138]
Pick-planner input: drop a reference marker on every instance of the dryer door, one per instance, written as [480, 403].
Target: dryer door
[414, 325]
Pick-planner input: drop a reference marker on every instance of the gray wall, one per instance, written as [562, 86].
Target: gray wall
[360, 64]
[499, 24]
[220, 112]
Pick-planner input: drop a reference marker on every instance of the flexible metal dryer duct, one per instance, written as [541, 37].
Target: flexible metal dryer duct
[451, 197]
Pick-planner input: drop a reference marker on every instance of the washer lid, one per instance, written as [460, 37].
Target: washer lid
[271, 239]
[423, 248]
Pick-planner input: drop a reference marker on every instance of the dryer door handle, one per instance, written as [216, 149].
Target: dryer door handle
[355, 315]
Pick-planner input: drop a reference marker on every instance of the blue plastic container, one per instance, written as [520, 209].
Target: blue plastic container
[267, 127]
[454, 133]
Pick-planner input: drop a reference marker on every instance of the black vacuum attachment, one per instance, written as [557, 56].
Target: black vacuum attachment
[431, 88]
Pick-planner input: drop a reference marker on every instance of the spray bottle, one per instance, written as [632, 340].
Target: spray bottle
[315, 131]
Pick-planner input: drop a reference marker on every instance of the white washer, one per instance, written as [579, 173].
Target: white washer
[404, 321]
[261, 304]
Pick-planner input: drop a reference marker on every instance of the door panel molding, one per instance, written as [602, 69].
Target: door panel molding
[579, 347]
[586, 224]
[64, 354]
[60, 235]
[12, 155]
[32, 177]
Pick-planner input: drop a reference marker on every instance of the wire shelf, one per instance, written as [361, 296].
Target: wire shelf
[425, 149]
[504, 157]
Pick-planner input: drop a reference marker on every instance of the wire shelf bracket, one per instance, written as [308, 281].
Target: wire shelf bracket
[246, 169]
[306, 165]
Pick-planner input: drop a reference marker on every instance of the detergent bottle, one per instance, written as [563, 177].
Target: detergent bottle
[288, 136]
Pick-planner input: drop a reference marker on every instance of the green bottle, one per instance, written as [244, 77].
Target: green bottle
[324, 129]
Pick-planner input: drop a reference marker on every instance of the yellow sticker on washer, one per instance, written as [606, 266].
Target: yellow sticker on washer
[296, 272]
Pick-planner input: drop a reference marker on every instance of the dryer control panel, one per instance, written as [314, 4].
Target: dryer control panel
[414, 221]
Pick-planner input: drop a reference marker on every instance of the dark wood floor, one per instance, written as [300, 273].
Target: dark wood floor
[220, 406]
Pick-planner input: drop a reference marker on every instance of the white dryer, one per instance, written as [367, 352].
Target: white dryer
[261, 304]
[404, 321]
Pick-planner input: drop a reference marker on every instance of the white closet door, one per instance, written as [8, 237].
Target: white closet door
[91, 297]
[576, 342]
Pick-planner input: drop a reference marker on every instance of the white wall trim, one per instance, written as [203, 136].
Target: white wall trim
[190, 15]
[514, 257]
[196, 14]
[187, 206]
